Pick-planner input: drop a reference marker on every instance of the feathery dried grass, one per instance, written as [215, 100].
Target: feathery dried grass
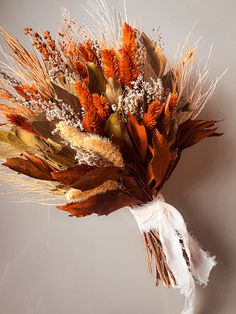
[107, 21]
[80, 196]
[93, 143]
[192, 89]
[39, 191]
[26, 66]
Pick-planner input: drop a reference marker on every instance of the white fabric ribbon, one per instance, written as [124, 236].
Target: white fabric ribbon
[171, 227]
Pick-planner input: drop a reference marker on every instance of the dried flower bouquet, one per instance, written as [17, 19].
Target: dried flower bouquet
[101, 121]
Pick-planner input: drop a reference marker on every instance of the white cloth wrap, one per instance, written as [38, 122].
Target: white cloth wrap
[171, 227]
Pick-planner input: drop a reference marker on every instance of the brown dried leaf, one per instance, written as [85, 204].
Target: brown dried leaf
[113, 91]
[70, 175]
[97, 81]
[168, 80]
[193, 131]
[32, 166]
[134, 187]
[116, 128]
[154, 56]
[85, 177]
[100, 204]
[67, 98]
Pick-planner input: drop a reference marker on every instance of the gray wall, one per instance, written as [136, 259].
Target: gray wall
[53, 264]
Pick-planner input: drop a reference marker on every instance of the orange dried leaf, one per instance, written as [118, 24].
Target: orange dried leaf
[161, 158]
[71, 175]
[134, 186]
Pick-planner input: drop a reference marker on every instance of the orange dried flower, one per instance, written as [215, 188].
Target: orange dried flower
[128, 63]
[152, 114]
[91, 121]
[102, 106]
[81, 69]
[88, 52]
[26, 91]
[85, 96]
[110, 63]
[128, 67]
[129, 37]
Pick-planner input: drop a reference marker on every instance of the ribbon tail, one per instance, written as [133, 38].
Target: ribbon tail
[178, 258]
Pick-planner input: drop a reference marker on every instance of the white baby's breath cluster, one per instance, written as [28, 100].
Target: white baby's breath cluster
[63, 112]
[54, 110]
[140, 92]
[89, 157]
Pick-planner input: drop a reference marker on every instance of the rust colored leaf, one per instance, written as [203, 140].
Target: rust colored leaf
[32, 166]
[193, 131]
[161, 158]
[139, 136]
[101, 204]
[135, 187]
[85, 177]
[70, 175]
[39, 163]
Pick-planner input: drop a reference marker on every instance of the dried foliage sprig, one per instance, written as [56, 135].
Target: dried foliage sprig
[102, 121]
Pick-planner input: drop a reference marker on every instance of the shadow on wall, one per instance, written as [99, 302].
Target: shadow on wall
[200, 165]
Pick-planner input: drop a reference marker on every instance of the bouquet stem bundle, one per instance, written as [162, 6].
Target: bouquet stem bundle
[154, 251]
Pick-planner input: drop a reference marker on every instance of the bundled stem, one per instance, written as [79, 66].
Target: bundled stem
[156, 256]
